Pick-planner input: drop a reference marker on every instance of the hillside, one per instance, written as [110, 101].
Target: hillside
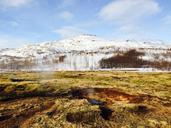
[83, 52]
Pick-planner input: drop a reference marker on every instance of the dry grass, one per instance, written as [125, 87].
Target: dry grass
[72, 113]
[158, 84]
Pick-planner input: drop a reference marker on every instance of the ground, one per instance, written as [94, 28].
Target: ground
[90, 99]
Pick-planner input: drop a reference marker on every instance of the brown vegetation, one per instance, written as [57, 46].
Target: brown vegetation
[18, 63]
[130, 59]
[85, 99]
[133, 59]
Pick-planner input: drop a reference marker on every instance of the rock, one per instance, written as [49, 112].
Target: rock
[4, 117]
[106, 112]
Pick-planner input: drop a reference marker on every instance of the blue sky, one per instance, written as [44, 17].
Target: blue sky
[25, 21]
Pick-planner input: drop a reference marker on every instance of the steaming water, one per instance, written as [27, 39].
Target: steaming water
[75, 62]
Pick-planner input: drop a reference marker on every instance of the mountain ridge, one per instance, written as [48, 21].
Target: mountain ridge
[80, 43]
[82, 52]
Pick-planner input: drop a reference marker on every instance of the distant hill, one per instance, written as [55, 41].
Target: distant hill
[83, 52]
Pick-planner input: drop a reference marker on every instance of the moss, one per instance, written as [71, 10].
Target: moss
[125, 115]
[157, 84]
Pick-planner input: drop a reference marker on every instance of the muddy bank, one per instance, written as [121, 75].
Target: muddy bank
[109, 95]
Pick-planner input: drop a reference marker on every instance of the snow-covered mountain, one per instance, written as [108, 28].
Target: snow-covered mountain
[79, 53]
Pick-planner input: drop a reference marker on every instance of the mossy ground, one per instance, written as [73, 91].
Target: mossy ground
[27, 85]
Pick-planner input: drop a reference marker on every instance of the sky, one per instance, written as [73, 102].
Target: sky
[34, 21]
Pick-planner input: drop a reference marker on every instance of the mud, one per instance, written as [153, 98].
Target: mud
[14, 113]
[109, 94]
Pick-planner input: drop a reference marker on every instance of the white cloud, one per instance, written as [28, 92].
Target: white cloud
[129, 28]
[129, 15]
[9, 23]
[11, 42]
[65, 15]
[128, 11]
[68, 2]
[14, 23]
[14, 3]
[68, 31]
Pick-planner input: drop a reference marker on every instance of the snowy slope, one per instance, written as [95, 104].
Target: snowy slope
[79, 43]
[81, 52]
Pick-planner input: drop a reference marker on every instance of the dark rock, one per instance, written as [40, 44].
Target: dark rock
[142, 109]
[106, 112]
[4, 117]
